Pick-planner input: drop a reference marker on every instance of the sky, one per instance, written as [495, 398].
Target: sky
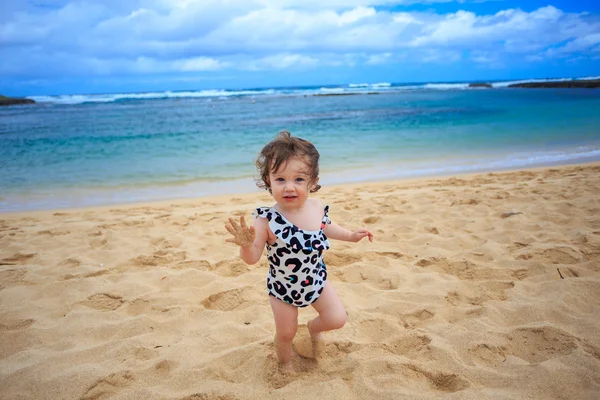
[117, 46]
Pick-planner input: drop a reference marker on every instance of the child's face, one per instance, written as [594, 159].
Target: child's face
[290, 184]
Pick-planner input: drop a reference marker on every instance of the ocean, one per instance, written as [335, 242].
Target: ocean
[82, 150]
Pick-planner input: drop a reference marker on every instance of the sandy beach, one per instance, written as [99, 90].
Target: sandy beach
[476, 287]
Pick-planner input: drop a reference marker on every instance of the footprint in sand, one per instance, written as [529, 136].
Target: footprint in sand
[416, 318]
[163, 243]
[232, 299]
[17, 259]
[488, 354]
[371, 220]
[18, 325]
[395, 255]
[202, 265]
[536, 345]
[410, 378]
[145, 354]
[339, 258]
[109, 386]
[476, 295]
[231, 268]
[11, 276]
[97, 273]
[104, 301]
[98, 242]
[67, 277]
[69, 262]
[407, 345]
[554, 255]
[163, 368]
[161, 257]
[381, 279]
[465, 269]
[339, 349]
[54, 232]
[375, 330]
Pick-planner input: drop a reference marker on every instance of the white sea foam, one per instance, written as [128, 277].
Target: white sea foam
[446, 86]
[380, 85]
[332, 90]
[108, 98]
[225, 94]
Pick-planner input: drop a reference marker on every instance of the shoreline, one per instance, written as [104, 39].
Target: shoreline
[361, 183]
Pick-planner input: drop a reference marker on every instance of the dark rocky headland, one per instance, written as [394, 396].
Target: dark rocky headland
[10, 101]
[583, 84]
[480, 85]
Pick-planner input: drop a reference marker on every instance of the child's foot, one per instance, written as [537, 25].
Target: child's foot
[288, 368]
[317, 342]
[307, 344]
[313, 335]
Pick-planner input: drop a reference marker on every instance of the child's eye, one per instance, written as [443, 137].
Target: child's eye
[280, 179]
[299, 179]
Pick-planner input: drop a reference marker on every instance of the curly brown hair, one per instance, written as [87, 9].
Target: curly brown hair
[281, 149]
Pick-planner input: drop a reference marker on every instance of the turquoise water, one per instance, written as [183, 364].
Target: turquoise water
[71, 151]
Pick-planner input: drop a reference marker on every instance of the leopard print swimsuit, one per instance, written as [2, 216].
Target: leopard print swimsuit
[297, 273]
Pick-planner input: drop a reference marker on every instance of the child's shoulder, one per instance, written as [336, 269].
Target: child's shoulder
[316, 202]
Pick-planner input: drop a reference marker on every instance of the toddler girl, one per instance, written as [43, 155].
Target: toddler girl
[295, 231]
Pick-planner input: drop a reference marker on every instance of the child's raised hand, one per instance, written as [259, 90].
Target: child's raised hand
[242, 235]
[361, 233]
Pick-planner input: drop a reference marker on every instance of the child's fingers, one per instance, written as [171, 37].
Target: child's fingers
[243, 222]
[365, 233]
[234, 224]
[230, 229]
[232, 240]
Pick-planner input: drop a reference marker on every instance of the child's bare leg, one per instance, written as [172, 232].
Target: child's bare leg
[286, 324]
[332, 314]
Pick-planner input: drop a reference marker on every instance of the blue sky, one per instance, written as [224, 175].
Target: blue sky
[116, 46]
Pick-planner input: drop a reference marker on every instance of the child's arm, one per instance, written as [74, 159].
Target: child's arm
[334, 231]
[251, 240]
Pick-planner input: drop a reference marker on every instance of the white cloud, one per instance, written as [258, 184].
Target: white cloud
[356, 14]
[278, 61]
[161, 36]
[489, 60]
[198, 64]
[583, 43]
[379, 59]
[437, 56]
